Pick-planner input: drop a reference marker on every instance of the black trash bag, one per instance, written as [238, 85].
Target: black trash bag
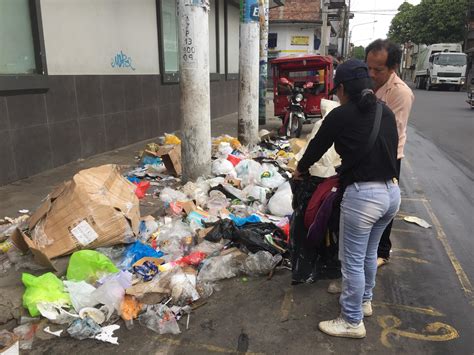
[224, 228]
[252, 236]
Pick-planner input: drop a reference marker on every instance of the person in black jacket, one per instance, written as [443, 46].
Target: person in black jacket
[371, 194]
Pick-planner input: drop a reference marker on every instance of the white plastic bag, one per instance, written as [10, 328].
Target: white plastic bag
[81, 294]
[260, 263]
[249, 171]
[270, 177]
[112, 291]
[256, 193]
[280, 203]
[222, 167]
[169, 195]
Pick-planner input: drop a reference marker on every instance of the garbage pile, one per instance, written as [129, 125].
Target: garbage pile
[152, 270]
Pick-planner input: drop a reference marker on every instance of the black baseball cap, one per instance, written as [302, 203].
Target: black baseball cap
[350, 70]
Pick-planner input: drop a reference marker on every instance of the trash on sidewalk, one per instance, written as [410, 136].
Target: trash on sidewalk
[417, 220]
[155, 268]
[9, 343]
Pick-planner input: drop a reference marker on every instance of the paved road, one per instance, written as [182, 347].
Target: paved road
[423, 300]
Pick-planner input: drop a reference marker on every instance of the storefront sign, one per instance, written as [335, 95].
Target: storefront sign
[249, 11]
[299, 40]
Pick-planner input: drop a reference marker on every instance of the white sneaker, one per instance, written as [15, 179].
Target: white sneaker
[335, 287]
[367, 308]
[340, 328]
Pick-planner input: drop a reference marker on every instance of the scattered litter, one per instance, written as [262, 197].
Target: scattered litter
[24, 211]
[84, 328]
[417, 220]
[56, 333]
[106, 334]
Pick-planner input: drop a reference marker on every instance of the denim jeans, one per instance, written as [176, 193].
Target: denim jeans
[366, 209]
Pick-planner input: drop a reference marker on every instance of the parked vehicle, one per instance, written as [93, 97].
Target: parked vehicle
[297, 98]
[441, 65]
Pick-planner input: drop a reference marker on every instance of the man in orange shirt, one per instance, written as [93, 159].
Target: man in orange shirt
[383, 59]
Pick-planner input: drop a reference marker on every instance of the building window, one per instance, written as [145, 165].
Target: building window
[22, 60]
[232, 29]
[272, 40]
[169, 53]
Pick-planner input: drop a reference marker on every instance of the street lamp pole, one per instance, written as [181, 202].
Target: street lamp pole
[359, 24]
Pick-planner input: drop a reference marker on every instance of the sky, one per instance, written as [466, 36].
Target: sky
[364, 30]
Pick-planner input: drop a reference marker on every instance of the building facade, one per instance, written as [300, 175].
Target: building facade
[81, 77]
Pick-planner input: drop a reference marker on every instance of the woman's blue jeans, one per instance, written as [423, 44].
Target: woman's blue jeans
[366, 209]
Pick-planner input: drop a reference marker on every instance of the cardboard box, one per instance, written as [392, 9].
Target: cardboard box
[171, 156]
[97, 208]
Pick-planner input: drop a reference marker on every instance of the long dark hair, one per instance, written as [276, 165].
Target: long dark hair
[361, 92]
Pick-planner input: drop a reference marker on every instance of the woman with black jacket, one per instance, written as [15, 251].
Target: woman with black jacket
[371, 194]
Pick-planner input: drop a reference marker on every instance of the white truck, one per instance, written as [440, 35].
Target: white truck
[441, 65]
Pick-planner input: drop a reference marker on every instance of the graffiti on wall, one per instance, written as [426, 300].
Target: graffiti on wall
[121, 60]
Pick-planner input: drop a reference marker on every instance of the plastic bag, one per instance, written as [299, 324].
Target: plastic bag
[160, 319]
[256, 193]
[234, 159]
[112, 291]
[280, 203]
[197, 191]
[260, 263]
[222, 167]
[171, 139]
[270, 177]
[115, 253]
[141, 188]
[26, 334]
[217, 201]
[129, 309]
[135, 252]
[89, 265]
[84, 329]
[183, 287]
[148, 226]
[81, 294]
[249, 171]
[218, 268]
[194, 259]
[240, 221]
[169, 239]
[44, 288]
[169, 195]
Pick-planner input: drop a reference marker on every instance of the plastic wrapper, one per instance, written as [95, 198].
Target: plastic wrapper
[169, 239]
[84, 329]
[148, 226]
[44, 288]
[192, 259]
[168, 195]
[141, 188]
[223, 167]
[81, 294]
[260, 263]
[249, 171]
[171, 139]
[89, 265]
[130, 308]
[219, 267]
[115, 253]
[112, 291]
[135, 252]
[160, 319]
[197, 191]
[208, 248]
[55, 313]
[280, 203]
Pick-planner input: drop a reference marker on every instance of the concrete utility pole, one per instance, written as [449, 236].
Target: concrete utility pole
[249, 72]
[195, 101]
[264, 15]
[324, 28]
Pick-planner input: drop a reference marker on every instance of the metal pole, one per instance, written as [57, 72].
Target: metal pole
[324, 28]
[249, 72]
[262, 104]
[195, 103]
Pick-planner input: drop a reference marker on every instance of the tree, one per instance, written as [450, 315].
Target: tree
[431, 21]
[358, 52]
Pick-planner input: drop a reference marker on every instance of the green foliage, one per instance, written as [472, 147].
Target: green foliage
[358, 52]
[431, 21]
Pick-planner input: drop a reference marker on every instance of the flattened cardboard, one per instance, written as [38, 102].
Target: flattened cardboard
[100, 197]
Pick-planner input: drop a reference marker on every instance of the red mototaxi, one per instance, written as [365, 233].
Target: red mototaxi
[300, 70]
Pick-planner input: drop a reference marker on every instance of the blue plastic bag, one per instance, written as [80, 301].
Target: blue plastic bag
[136, 251]
[240, 221]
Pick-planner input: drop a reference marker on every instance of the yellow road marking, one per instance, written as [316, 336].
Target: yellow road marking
[415, 260]
[429, 311]
[409, 231]
[441, 235]
[286, 305]
[207, 347]
[409, 251]
[436, 331]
